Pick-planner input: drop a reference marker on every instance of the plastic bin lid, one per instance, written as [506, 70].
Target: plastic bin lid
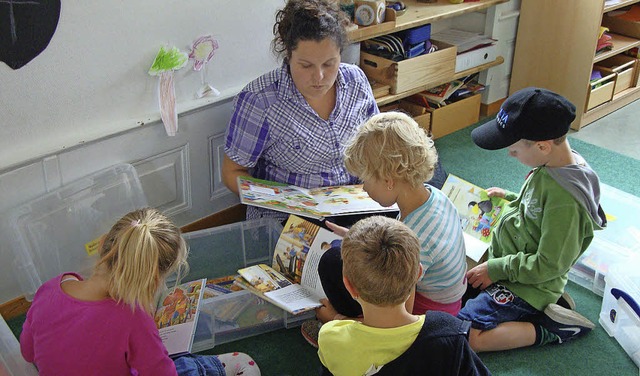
[59, 231]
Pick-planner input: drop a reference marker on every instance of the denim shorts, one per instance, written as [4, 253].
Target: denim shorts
[199, 365]
[494, 305]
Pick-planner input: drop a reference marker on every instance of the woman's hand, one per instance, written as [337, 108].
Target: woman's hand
[338, 230]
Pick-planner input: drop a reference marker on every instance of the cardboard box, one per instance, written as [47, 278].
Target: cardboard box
[411, 73]
[620, 26]
[474, 58]
[455, 116]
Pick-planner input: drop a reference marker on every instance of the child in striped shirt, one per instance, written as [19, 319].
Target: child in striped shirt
[393, 156]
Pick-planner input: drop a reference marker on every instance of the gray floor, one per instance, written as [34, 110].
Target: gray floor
[619, 131]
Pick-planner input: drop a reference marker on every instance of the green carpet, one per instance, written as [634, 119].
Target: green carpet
[285, 352]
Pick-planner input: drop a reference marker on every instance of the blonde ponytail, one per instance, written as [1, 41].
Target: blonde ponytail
[141, 249]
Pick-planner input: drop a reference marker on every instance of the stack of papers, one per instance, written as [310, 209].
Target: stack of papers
[464, 40]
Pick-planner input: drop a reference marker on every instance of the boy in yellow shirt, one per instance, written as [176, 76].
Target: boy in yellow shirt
[381, 266]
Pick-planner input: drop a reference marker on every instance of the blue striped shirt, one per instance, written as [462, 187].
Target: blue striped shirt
[443, 256]
[276, 134]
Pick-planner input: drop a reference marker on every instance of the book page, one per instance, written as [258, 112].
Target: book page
[299, 249]
[313, 203]
[478, 213]
[176, 316]
[295, 297]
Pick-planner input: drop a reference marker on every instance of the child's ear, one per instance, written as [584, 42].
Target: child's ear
[544, 146]
[419, 272]
[352, 290]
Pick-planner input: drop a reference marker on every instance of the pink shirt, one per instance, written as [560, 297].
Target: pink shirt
[63, 335]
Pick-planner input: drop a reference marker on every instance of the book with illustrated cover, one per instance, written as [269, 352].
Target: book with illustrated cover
[176, 316]
[478, 212]
[292, 281]
[313, 203]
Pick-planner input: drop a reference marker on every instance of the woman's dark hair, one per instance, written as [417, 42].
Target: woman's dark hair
[308, 20]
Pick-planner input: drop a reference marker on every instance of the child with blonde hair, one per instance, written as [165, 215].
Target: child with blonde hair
[103, 325]
[393, 156]
[381, 263]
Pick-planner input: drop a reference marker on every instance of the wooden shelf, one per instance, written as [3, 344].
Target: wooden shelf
[394, 97]
[613, 5]
[419, 14]
[621, 44]
[619, 100]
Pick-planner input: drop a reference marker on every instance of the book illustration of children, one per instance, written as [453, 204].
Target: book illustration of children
[175, 309]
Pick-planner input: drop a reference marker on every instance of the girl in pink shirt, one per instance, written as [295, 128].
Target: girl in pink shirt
[103, 325]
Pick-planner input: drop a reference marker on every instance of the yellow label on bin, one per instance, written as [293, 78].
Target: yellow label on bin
[93, 246]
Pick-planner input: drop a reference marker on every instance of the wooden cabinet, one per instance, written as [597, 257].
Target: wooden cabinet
[419, 14]
[555, 49]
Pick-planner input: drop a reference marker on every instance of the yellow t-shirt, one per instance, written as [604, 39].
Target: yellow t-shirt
[348, 347]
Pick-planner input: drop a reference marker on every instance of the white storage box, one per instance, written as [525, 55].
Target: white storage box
[59, 231]
[617, 242]
[620, 314]
[474, 58]
[220, 252]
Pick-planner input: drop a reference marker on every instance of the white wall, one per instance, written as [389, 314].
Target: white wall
[87, 103]
[91, 81]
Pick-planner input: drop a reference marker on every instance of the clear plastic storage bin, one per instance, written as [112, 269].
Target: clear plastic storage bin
[620, 313]
[618, 241]
[219, 252]
[59, 231]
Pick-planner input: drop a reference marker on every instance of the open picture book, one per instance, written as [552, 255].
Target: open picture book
[176, 316]
[478, 212]
[292, 282]
[313, 203]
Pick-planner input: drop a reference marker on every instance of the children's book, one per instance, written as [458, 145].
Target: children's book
[314, 203]
[292, 281]
[176, 316]
[478, 212]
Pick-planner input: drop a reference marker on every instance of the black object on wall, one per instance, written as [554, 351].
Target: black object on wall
[26, 28]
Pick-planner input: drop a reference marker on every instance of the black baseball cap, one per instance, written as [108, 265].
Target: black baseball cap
[532, 113]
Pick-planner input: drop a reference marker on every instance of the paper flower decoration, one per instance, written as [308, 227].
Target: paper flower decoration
[164, 64]
[202, 51]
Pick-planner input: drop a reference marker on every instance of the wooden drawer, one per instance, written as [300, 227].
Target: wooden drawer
[411, 73]
[601, 91]
[418, 113]
[626, 69]
[455, 116]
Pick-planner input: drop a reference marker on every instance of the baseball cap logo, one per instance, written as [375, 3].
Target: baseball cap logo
[502, 118]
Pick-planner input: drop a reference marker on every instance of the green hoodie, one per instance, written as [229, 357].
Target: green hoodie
[544, 230]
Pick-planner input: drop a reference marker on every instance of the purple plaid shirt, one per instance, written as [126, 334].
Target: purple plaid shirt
[276, 134]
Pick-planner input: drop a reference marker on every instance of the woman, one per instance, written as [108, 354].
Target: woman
[291, 125]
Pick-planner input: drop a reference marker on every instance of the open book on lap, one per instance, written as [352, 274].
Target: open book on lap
[292, 281]
[313, 203]
[478, 212]
[176, 316]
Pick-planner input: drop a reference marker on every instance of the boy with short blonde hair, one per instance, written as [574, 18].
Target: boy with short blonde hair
[381, 267]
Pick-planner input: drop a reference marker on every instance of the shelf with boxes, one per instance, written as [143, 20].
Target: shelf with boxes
[564, 49]
[395, 79]
[616, 63]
